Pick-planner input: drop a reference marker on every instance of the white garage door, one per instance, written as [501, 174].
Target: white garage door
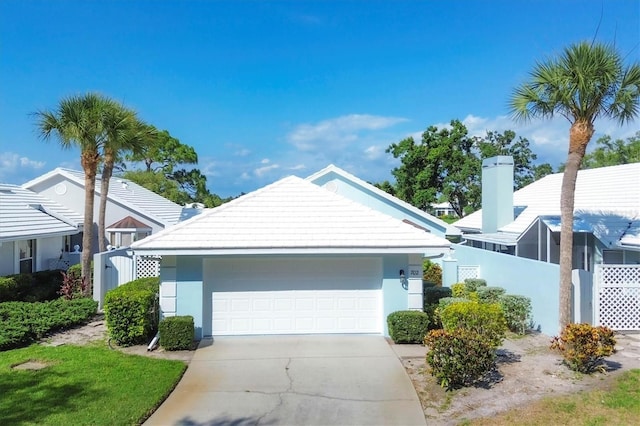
[295, 295]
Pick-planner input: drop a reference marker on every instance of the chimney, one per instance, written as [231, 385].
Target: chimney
[497, 192]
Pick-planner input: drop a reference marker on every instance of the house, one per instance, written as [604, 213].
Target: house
[443, 209]
[343, 183]
[293, 257]
[526, 223]
[35, 232]
[133, 212]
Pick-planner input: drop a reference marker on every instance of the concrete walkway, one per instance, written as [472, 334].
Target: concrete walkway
[293, 380]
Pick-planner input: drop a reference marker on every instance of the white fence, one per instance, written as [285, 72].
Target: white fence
[116, 267]
[617, 293]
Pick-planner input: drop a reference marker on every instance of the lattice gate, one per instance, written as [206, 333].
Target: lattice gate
[618, 296]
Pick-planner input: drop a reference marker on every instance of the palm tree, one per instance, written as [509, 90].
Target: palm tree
[586, 82]
[78, 121]
[123, 132]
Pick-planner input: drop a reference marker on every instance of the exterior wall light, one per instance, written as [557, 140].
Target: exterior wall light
[403, 280]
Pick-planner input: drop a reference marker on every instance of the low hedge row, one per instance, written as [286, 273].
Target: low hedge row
[35, 287]
[177, 333]
[22, 323]
[131, 311]
[408, 326]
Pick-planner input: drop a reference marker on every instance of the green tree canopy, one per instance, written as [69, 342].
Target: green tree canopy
[446, 166]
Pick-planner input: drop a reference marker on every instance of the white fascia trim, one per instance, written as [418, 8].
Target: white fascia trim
[260, 251]
[38, 235]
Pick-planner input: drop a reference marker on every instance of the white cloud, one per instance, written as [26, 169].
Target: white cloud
[261, 171]
[242, 152]
[297, 167]
[14, 166]
[265, 161]
[339, 132]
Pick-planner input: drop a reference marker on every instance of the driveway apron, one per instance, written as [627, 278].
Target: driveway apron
[293, 380]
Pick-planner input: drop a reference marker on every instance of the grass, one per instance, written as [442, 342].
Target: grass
[83, 385]
[617, 405]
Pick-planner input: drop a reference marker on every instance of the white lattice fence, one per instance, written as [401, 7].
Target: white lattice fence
[468, 271]
[147, 266]
[618, 293]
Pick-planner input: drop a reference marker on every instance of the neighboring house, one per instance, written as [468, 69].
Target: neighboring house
[35, 233]
[340, 182]
[133, 212]
[291, 258]
[443, 209]
[527, 223]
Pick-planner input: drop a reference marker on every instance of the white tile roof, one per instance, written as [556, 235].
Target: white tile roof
[447, 229]
[291, 216]
[26, 215]
[130, 194]
[606, 197]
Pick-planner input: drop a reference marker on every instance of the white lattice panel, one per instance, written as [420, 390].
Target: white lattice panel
[465, 272]
[618, 289]
[147, 266]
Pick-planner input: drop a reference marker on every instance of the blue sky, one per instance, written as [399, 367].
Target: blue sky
[267, 89]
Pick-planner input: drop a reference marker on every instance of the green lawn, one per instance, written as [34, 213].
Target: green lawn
[617, 405]
[83, 385]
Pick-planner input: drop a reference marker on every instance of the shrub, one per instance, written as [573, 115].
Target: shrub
[474, 283]
[407, 326]
[490, 294]
[131, 311]
[73, 286]
[446, 301]
[24, 322]
[517, 311]
[485, 319]
[431, 272]
[584, 346]
[458, 357]
[459, 290]
[432, 295]
[76, 270]
[35, 287]
[177, 333]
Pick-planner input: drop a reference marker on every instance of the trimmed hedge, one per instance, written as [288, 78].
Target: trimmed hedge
[490, 294]
[485, 319]
[517, 312]
[177, 333]
[408, 326]
[34, 287]
[22, 323]
[432, 295]
[131, 311]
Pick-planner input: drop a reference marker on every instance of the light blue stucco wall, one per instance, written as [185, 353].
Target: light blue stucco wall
[189, 291]
[537, 280]
[395, 298]
[356, 193]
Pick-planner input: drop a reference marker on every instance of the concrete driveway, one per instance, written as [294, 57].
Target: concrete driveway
[293, 380]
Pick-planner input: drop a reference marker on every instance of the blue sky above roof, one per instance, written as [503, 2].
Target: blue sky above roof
[267, 89]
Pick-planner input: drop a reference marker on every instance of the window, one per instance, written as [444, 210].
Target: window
[26, 255]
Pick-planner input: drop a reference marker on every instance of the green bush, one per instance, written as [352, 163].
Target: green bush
[407, 326]
[131, 311]
[490, 294]
[458, 357]
[177, 333]
[432, 295]
[584, 346]
[446, 301]
[24, 322]
[459, 290]
[517, 311]
[473, 284]
[431, 272]
[76, 270]
[34, 287]
[485, 319]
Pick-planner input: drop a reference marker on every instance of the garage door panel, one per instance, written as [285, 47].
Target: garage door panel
[297, 312]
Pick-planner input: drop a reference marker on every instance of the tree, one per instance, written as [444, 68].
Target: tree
[446, 165]
[585, 82]
[123, 132]
[613, 153]
[78, 121]
[163, 152]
